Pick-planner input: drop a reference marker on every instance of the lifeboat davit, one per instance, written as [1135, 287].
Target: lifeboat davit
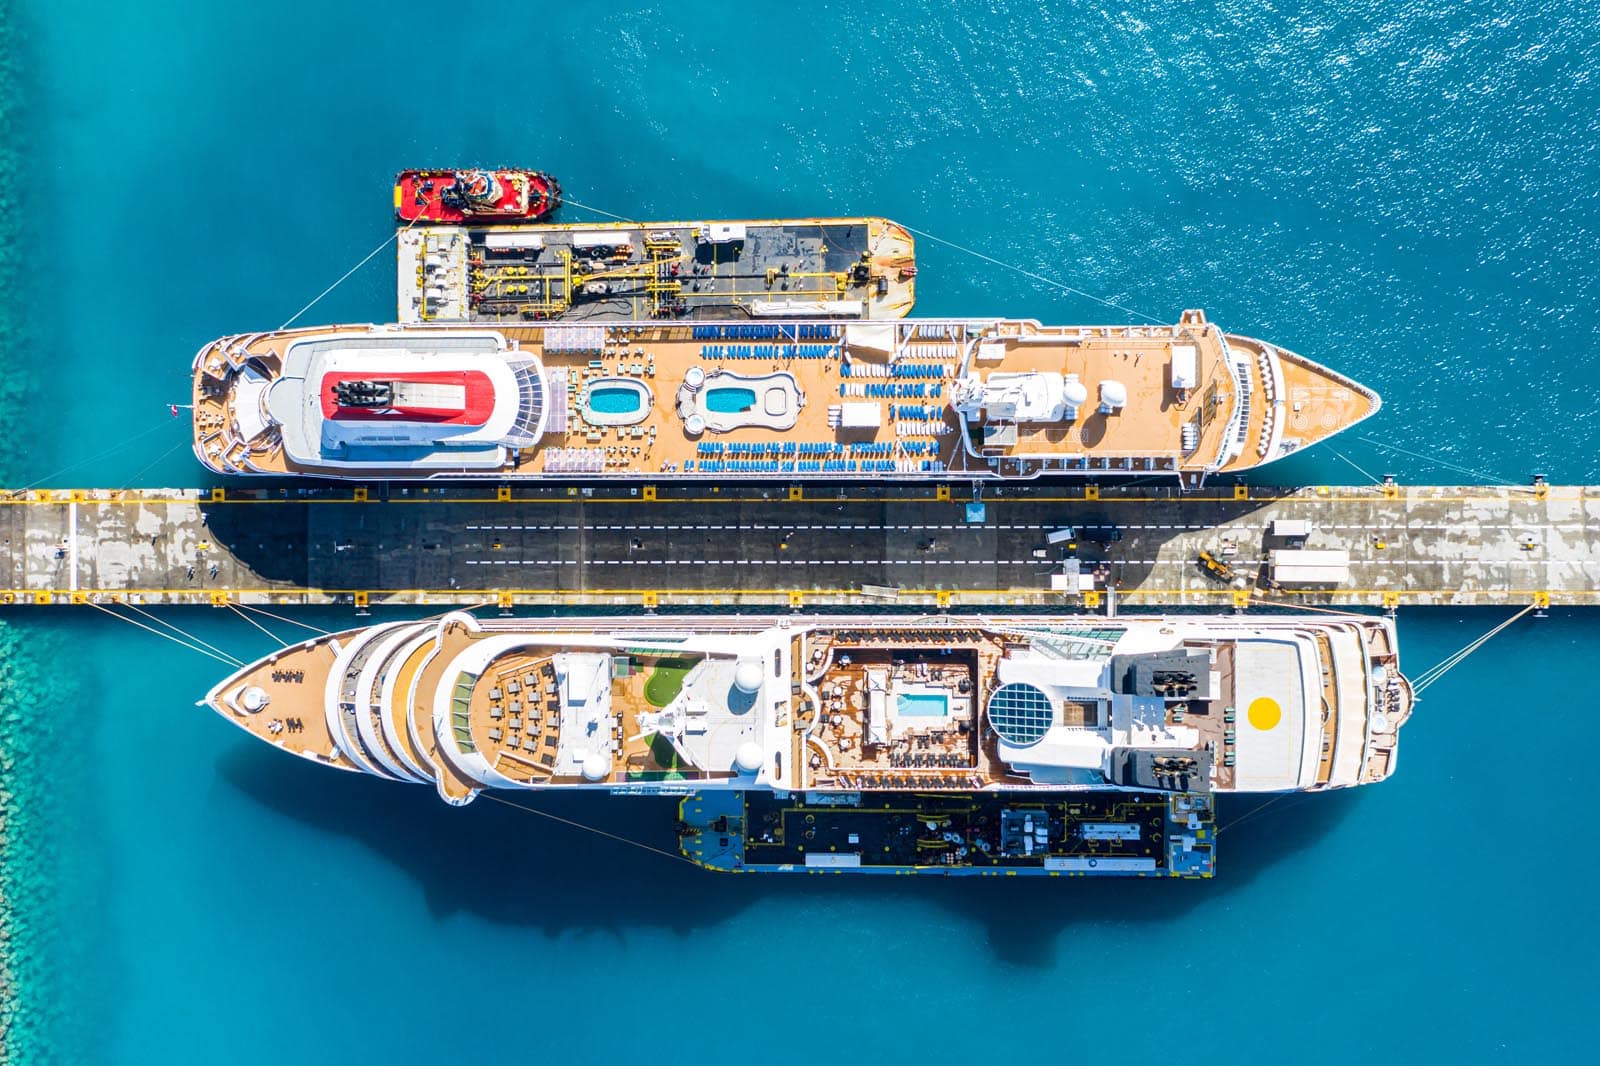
[458, 196]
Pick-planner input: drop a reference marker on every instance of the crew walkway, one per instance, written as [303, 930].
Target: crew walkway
[669, 546]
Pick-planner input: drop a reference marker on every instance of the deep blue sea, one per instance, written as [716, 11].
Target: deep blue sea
[1407, 191]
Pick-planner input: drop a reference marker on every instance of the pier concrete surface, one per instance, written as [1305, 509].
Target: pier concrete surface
[1076, 547]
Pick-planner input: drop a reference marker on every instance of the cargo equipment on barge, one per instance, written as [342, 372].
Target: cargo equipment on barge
[1080, 834]
[832, 268]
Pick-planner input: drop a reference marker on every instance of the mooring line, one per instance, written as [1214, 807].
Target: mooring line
[589, 828]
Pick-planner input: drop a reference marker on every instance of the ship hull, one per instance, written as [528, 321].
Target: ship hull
[524, 196]
[806, 401]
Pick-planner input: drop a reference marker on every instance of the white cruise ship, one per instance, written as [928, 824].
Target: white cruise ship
[1184, 704]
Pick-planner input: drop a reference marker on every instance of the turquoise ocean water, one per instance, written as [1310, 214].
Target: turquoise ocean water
[1405, 191]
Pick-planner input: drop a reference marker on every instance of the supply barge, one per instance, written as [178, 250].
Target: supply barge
[841, 268]
[1064, 835]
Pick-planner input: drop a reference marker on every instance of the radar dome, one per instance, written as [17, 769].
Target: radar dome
[747, 675]
[253, 698]
[1076, 393]
[1113, 394]
[749, 757]
[596, 767]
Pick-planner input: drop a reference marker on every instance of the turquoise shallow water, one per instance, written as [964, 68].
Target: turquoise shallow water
[1403, 191]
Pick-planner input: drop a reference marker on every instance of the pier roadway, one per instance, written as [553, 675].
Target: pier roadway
[664, 546]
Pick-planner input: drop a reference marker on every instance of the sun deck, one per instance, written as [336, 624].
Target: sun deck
[809, 400]
[883, 705]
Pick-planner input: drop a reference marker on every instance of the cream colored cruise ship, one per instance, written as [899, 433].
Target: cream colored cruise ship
[1142, 704]
[795, 401]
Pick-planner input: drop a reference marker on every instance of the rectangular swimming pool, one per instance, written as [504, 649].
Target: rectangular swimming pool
[615, 400]
[730, 400]
[922, 704]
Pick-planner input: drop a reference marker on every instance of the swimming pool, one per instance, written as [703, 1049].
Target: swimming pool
[730, 400]
[616, 402]
[922, 704]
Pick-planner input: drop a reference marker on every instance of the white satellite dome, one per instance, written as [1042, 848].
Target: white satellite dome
[749, 758]
[1113, 394]
[747, 675]
[1075, 393]
[253, 698]
[596, 767]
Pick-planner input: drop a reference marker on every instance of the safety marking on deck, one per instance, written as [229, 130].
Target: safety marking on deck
[72, 545]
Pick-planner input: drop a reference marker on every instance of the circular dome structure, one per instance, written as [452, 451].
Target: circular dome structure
[596, 767]
[747, 675]
[749, 758]
[1113, 394]
[1076, 393]
[1020, 714]
[253, 699]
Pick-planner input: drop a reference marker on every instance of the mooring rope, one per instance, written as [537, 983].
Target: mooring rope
[1360, 470]
[1436, 461]
[166, 636]
[276, 639]
[390, 239]
[1450, 662]
[1245, 817]
[951, 244]
[186, 636]
[288, 621]
[590, 829]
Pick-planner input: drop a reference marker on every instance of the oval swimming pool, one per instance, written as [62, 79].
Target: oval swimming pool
[616, 402]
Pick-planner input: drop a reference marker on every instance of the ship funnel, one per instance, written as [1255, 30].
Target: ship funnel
[1113, 397]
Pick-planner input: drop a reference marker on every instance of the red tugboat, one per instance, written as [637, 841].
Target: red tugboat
[457, 196]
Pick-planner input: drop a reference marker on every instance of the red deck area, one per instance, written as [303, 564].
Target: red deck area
[418, 197]
[477, 405]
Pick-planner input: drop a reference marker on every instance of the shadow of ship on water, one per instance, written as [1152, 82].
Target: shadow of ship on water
[506, 865]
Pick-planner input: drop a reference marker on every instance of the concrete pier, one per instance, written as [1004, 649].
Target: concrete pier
[667, 546]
